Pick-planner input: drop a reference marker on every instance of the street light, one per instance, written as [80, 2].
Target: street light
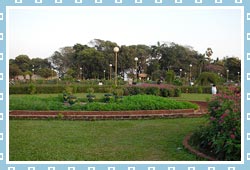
[80, 72]
[110, 71]
[116, 50]
[136, 59]
[227, 75]
[180, 72]
[104, 74]
[33, 71]
[190, 66]
[238, 76]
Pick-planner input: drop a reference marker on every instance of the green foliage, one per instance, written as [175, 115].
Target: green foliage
[81, 61]
[90, 90]
[108, 97]
[177, 92]
[118, 92]
[68, 90]
[136, 102]
[32, 89]
[152, 91]
[207, 78]
[221, 137]
[170, 76]
[45, 72]
[91, 97]
[72, 99]
[177, 82]
[133, 90]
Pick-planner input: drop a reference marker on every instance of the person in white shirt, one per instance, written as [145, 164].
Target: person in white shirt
[214, 89]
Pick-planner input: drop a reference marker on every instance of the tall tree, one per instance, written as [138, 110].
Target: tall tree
[23, 61]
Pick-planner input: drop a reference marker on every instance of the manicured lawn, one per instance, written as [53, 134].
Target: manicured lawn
[137, 140]
[194, 97]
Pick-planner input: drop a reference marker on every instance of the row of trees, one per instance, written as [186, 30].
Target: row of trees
[90, 61]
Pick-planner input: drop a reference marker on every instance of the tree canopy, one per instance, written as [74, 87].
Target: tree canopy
[89, 61]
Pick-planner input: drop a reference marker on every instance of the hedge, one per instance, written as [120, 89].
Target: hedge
[47, 89]
[151, 89]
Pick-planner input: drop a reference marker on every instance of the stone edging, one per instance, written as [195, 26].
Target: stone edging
[194, 151]
[104, 115]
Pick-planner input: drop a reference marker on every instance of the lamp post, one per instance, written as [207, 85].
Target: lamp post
[180, 72]
[110, 71]
[33, 71]
[80, 73]
[136, 59]
[116, 50]
[238, 76]
[190, 66]
[104, 74]
[227, 75]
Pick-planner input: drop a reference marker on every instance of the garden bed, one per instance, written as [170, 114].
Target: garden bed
[109, 115]
[194, 151]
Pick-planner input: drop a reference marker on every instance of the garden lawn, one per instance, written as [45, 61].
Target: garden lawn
[193, 97]
[137, 140]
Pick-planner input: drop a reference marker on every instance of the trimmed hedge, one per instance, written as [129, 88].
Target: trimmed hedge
[151, 89]
[49, 89]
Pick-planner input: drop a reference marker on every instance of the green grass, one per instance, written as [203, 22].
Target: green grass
[193, 97]
[137, 140]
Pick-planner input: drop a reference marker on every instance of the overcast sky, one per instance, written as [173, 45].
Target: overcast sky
[39, 31]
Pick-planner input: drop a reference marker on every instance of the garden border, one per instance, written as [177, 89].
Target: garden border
[110, 115]
[194, 151]
[104, 115]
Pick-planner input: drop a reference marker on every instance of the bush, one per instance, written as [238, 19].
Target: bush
[222, 135]
[207, 78]
[152, 91]
[32, 89]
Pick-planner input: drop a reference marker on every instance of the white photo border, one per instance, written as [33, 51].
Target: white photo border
[5, 164]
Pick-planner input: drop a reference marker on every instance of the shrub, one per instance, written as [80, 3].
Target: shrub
[164, 92]
[207, 78]
[32, 89]
[170, 76]
[177, 92]
[222, 135]
[133, 90]
[152, 91]
[72, 99]
[177, 82]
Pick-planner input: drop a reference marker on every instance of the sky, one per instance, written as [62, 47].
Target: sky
[40, 31]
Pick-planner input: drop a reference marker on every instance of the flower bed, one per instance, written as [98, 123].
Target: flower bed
[221, 137]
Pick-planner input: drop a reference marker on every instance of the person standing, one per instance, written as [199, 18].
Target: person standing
[214, 89]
